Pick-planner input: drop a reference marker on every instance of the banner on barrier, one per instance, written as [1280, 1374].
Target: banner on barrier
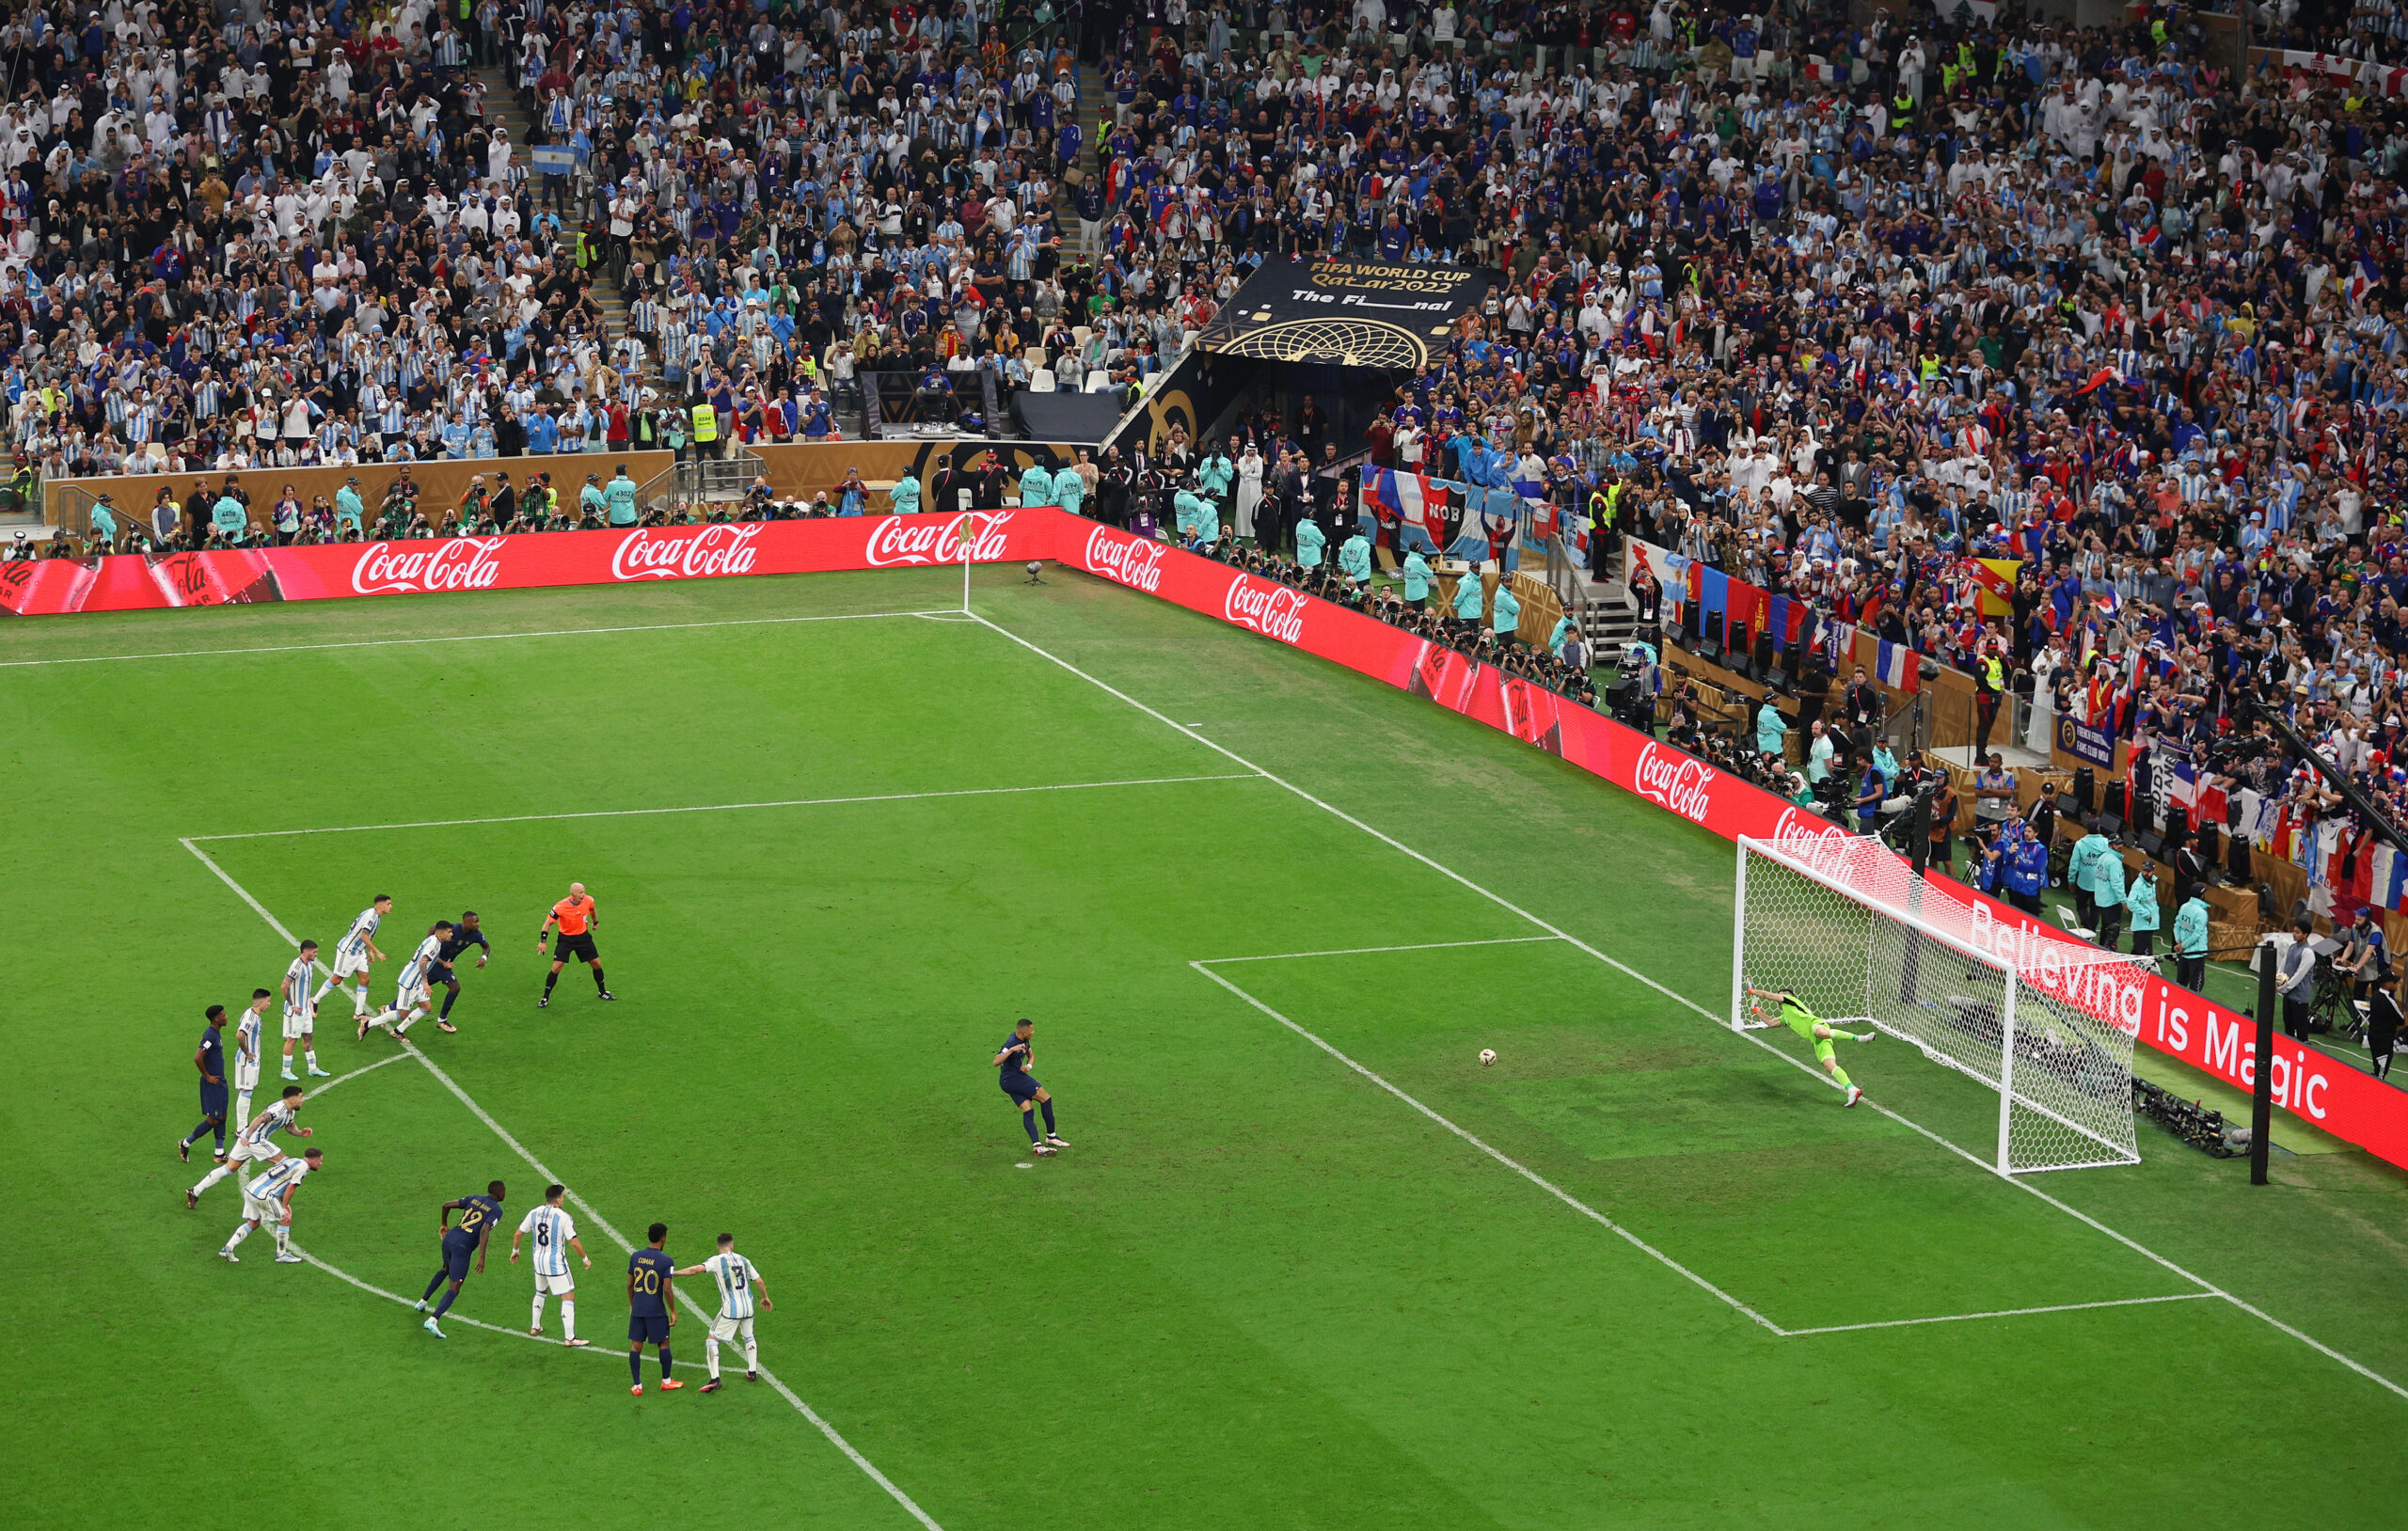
[128, 582]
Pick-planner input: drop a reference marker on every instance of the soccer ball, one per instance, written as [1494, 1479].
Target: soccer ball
[1487, 1056]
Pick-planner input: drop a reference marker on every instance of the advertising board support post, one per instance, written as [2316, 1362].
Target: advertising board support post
[2261, 1099]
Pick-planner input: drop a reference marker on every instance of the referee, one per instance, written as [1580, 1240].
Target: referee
[577, 917]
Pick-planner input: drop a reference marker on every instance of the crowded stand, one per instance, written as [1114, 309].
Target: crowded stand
[2065, 358]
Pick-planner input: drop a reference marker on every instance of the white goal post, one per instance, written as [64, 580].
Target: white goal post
[2046, 1023]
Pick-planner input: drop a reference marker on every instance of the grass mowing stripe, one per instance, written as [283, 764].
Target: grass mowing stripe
[458, 637]
[1800, 1065]
[835, 1439]
[727, 808]
[1515, 1165]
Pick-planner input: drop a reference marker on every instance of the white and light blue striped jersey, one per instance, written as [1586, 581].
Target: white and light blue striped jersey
[297, 1002]
[414, 971]
[266, 1125]
[735, 1275]
[552, 1230]
[247, 1038]
[287, 1173]
[355, 941]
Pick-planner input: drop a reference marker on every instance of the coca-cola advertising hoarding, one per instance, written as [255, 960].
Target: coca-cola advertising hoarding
[45, 587]
[2312, 1086]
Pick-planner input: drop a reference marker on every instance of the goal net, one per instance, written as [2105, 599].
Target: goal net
[2044, 1023]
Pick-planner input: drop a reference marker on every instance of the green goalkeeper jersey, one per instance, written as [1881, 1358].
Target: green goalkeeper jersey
[1798, 1018]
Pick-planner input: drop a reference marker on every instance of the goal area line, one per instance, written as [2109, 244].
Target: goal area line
[1205, 965]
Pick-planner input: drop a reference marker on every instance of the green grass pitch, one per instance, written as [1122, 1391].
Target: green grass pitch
[1642, 1272]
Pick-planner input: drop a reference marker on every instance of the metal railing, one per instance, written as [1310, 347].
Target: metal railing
[701, 481]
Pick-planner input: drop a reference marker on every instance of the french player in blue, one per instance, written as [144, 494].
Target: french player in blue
[652, 1308]
[210, 1057]
[462, 1240]
[466, 933]
[1012, 1063]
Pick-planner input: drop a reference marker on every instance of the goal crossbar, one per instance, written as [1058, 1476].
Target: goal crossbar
[2048, 1024]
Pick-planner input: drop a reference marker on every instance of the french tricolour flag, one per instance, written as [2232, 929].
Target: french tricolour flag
[1896, 667]
[1407, 497]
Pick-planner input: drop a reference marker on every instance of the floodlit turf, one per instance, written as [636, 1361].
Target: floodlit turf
[1259, 1290]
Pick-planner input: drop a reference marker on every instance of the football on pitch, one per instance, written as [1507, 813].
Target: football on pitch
[1487, 1056]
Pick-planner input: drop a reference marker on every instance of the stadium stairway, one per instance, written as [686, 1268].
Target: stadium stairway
[501, 105]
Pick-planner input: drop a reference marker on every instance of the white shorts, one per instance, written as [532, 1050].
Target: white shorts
[562, 1284]
[300, 1023]
[724, 1329]
[263, 1155]
[267, 1214]
[246, 1078]
[411, 996]
[348, 963]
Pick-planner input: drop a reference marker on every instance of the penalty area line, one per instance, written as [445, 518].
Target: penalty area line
[715, 807]
[1721, 1022]
[410, 1050]
[457, 1318]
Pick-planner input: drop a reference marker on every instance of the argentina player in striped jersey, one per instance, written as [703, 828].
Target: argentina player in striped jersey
[301, 1011]
[413, 989]
[267, 1202]
[735, 1278]
[246, 1054]
[354, 952]
[255, 1144]
[554, 1236]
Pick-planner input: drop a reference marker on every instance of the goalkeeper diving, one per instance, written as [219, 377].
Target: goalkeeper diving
[1767, 1005]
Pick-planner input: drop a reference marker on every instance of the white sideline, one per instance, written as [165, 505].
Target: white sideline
[410, 1048]
[458, 637]
[1515, 1165]
[722, 808]
[364, 1068]
[1721, 1022]
[2005, 1313]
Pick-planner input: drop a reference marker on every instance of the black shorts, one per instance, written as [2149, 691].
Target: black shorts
[213, 1100]
[439, 972]
[457, 1254]
[578, 948]
[647, 1328]
[1020, 1087]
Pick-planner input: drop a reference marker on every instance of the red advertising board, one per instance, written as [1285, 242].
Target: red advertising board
[2173, 1020]
[127, 582]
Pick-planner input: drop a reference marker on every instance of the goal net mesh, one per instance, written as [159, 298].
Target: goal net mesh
[2046, 1024]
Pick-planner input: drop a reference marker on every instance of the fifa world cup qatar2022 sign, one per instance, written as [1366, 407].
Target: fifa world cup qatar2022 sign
[2312, 1086]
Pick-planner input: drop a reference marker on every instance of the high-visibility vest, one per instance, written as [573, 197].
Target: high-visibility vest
[706, 422]
[1998, 674]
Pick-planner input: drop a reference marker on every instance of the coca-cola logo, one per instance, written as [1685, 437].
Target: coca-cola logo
[1673, 780]
[1821, 846]
[1135, 562]
[459, 563]
[1273, 610]
[684, 552]
[899, 540]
